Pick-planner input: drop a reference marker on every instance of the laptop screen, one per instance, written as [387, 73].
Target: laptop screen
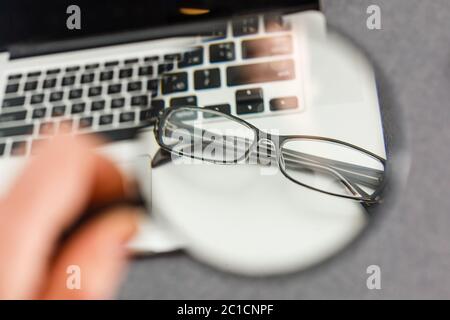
[29, 22]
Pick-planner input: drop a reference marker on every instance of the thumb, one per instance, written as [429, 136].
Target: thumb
[90, 264]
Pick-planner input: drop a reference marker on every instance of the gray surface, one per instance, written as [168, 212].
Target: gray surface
[411, 242]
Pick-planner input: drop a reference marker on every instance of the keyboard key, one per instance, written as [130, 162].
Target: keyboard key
[19, 148]
[164, 67]
[85, 122]
[13, 116]
[111, 63]
[249, 101]
[87, 78]
[78, 108]
[97, 105]
[94, 91]
[126, 117]
[131, 61]
[264, 47]
[191, 58]
[221, 52]
[218, 31]
[16, 131]
[29, 86]
[134, 86]
[53, 71]
[156, 106]
[117, 103]
[225, 108]
[68, 81]
[16, 76]
[37, 144]
[125, 73]
[11, 88]
[114, 88]
[275, 23]
[2, 149]
[207, 79]
[39, 113]
[34, 74]
[174, 82]
[146, 71]
[72, 69]
[65, 126]
[245, 25]
[49, 83]
[56, 96]
[260, 72]
[172, 57]
[284, 103]
[117, 134]
[91, 66]
[75, 94]
[106, 75]
[58, 111]
[37, 98]
[47, 128]
[106, 119]
[140, 101]
[152, 85]
[13, 102]
[151, 59]
[184, 101]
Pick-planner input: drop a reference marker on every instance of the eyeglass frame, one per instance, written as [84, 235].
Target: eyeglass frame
[374, 198]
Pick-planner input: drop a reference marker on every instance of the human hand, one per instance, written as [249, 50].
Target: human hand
[56, 187]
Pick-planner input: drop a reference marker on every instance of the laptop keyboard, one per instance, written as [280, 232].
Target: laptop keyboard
[117, 97]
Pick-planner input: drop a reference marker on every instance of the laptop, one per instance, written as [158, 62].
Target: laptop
[131, 60]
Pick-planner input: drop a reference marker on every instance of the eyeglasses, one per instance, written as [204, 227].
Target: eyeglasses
[323, 164]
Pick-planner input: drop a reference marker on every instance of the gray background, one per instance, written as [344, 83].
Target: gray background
[410, 239]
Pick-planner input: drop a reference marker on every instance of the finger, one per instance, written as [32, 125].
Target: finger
[49, 195]
[91, 264]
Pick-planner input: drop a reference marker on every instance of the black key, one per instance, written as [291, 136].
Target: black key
[72, 69]
[126, 117]
[140, 101]
[164, 67]
[207, 79]
[87, 78]
[68, 81]
[13, 102]
[174, 82]
[65, 126]
[16, 131]
[275, 23]
[146, 71]
[157, 104]
[106, 119]
[2, 148]
[30, 86]
[152, 85]
[39, 113]
[284, 103]
[114, 88]
[218, 31]
[91, 66]
[37, 98]
[151, 59]
[53, 71]
[58, 111]
[78, 108]
[264, 47]
[117, 134]
[11, 88]
[249, 101]
[98, 105]
[47, 128]
[117, 103]
[225, 108]
[19, 148]
[131, 61]
[134, 86]
[125, 73]
[111, 63]
[191, 58]
[106, 75]
[85, 122]
[34, 74]
[172, 57]
[13, 116]
[245, 25]
[156, 107]
[75, 93]
[221, 52]
[184, 101]
[49, 83]
[95, 91]
[260, 72]
[16, 76]
[56, 96]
